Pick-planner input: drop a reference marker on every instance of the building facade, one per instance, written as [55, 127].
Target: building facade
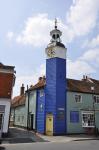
[18, 116]
[82, 104]
[7, 79]
[57, 105]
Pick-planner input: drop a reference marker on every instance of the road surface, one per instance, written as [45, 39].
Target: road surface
[74, 145]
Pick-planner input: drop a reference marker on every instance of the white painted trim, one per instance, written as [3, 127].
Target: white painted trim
[6, 103]
[85, 124]
[80, 99]
[6, 71]
[87, 112]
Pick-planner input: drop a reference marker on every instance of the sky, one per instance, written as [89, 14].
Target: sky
[25, 27]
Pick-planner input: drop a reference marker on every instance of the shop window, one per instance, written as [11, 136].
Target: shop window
[96, 99]
[87, 119]
[74, 116]
[78, 98]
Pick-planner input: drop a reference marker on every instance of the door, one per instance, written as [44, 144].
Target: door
[32, 119]
[1, 124]
[49, 124]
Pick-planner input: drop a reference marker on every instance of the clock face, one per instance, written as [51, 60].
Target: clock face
[50, 52]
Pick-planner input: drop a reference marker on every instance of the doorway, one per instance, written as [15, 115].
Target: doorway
[32, 121]
[49, 124]
[1, 124]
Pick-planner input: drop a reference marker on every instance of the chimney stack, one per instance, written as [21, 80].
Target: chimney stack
[40, 78]
[22, 89]
[84, 77]
[44, 78]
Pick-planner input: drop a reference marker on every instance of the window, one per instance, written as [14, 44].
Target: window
[41, 92]
[22, 118]
[78, 98]
[96, 99]
[18, 119]
[74, 116]
[87, 119]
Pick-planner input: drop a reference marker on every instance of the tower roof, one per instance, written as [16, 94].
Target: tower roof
[56, 34]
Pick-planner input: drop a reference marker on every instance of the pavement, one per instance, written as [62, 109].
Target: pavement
[19, 135]
[68, 138]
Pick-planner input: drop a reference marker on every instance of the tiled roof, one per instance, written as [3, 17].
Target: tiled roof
[18, 101]
[41, 83]
[83, 86]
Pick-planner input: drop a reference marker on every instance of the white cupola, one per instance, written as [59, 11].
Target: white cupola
[55, 34]
[55, 48]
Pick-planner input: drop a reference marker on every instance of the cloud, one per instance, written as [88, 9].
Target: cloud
[91, 56]
[10, 35]
[30, 79]
[82, 16]
[76, 69]
[92, 43]
[36, 31]
[80, 20]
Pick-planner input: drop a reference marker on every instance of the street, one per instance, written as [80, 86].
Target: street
[74, 145]
[19, 135]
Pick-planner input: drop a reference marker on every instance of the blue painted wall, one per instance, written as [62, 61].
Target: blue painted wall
[40, 121]
[56, 93]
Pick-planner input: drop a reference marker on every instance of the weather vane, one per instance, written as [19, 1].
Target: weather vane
[55, 23]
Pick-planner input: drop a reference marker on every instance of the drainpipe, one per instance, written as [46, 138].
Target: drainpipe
[92, 89]
[28, 108]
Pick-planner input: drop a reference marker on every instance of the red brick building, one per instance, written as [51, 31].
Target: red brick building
[7, 80]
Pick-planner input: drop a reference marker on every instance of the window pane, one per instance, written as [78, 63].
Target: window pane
[78, 98]
[41, 92]
[74, 116]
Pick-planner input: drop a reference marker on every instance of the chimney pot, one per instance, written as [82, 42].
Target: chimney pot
[40, 78]
[84, 77]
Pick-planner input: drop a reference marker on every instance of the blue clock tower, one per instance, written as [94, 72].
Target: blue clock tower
[55, 95]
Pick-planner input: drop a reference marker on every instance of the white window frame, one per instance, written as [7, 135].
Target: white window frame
[85, 123]
[80, 100]
[96, 101]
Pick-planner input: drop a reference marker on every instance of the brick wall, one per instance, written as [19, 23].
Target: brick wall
[6, 81]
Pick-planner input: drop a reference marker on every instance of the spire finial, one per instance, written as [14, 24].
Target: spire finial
[55, 23]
